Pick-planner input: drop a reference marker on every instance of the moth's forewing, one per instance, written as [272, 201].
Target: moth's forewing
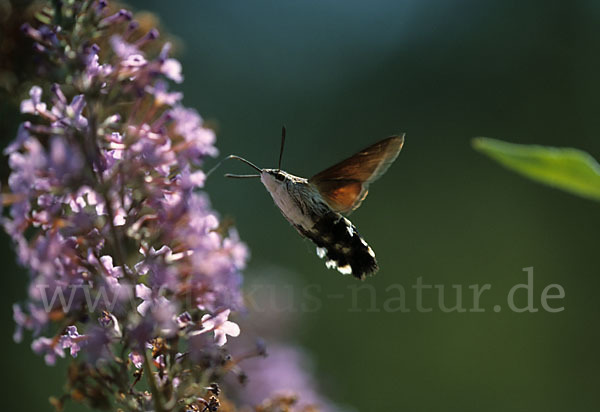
[345, 185]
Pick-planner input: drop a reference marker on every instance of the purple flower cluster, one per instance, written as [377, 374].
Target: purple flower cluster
[126, 257]
[132, 275]
[284, 379]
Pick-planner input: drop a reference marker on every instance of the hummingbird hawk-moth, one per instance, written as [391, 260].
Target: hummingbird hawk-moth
[315, 206]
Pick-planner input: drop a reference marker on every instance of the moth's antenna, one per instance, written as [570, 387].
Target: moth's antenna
[252, 165]
[240, 176]
[282, 145]
[233, 157]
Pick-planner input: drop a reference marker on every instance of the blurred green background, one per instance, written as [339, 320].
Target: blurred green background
[343, 74]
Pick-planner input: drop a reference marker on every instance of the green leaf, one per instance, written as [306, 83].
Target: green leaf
[571, 170]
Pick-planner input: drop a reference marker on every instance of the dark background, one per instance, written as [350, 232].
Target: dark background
[343, 74]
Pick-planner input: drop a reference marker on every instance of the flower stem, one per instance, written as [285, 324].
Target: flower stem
[92, 151]
[156, 396]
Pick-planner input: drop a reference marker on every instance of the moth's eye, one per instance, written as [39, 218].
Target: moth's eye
[280, 177]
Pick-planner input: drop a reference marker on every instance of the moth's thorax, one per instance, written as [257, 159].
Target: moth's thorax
[299, 201]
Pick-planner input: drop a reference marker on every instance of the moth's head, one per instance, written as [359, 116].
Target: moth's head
[276, 174]
[278, 179]
[274, 178]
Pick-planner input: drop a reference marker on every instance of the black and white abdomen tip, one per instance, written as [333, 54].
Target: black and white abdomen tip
[341, 245]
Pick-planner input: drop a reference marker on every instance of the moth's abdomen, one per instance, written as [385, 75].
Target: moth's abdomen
[341, 245]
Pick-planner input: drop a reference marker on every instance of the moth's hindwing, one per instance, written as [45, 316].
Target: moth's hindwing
[341, 245]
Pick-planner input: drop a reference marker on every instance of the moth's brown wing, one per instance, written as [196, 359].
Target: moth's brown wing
[345, 185]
